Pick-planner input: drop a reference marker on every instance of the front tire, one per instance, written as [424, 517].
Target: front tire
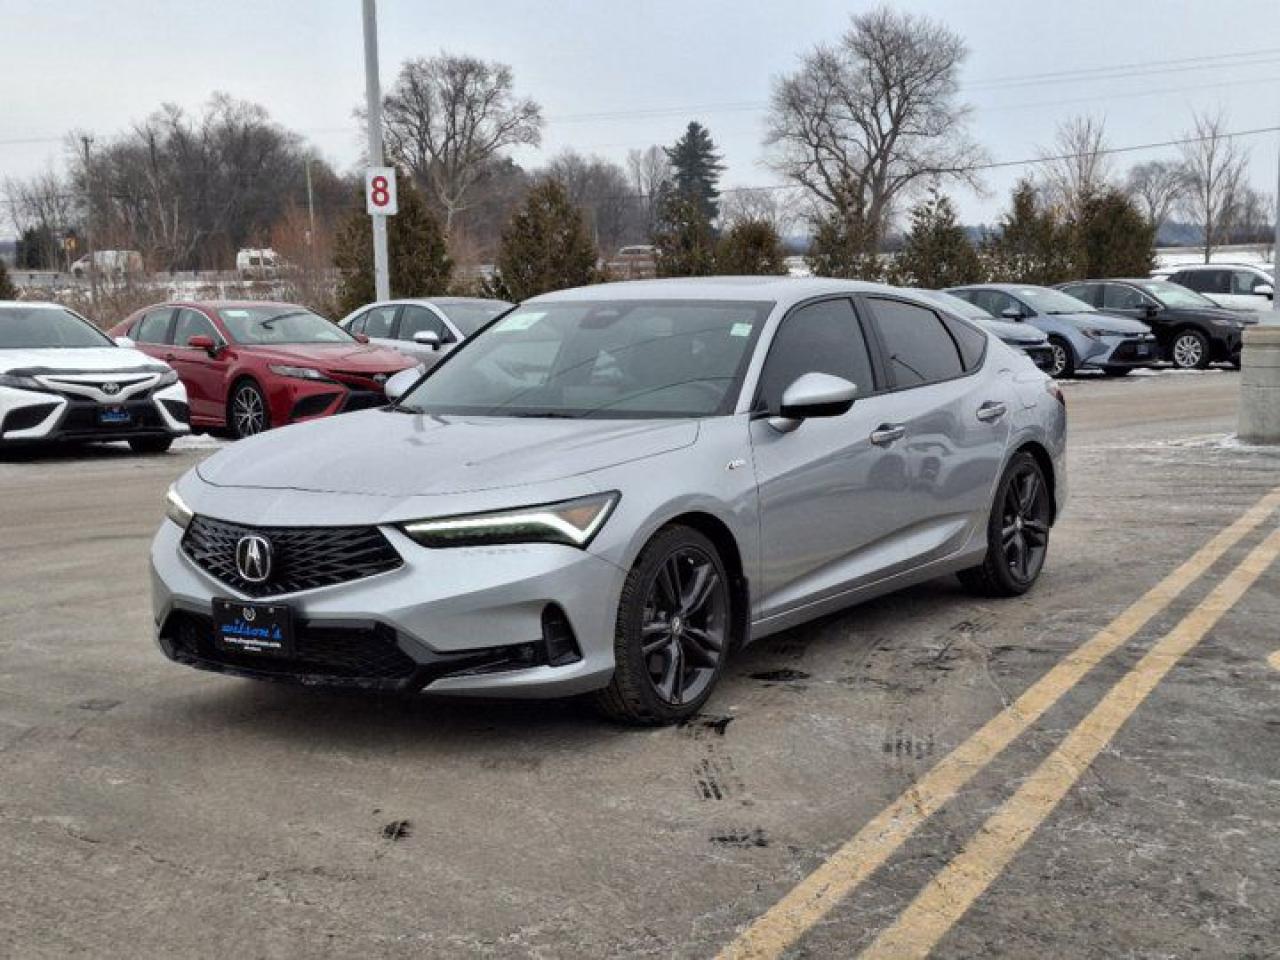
[150, 444]
[1064, 359]
[247, 412]
[672, 633]
[1017, 533]
[1189, 350]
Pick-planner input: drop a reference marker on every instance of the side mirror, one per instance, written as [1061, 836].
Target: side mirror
[400, 384]
[201, 342]
[361, 338]
[124, 342]
[1149, 309]
[1266, 290]
[427, 338]
[813, 395]
[1011, 313]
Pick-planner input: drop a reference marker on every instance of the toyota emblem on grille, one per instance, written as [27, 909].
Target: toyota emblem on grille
[111, 389]
[253, 558]
[379, 378]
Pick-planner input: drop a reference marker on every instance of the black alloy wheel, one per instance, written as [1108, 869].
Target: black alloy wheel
[1017, 532]
[673, 630]
[248, 414]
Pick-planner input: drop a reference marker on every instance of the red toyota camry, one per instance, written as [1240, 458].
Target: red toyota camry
[252, 365]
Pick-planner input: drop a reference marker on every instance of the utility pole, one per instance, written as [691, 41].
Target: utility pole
[1275, 249]
[373, 107]
[87, 142]
[311, 208]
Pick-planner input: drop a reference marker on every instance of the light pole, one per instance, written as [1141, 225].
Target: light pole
[87, 142]
[373, 107]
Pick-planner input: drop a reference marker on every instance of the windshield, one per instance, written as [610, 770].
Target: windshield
[280, 324]
[34, 328]
[619, 359]
[470, 317]
[1046, 300]
[1174, 295]
[957, 305]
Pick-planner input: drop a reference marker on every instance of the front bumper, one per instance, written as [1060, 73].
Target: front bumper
[295, 400]
[463, 621]
[38, 416]
[1121, 352]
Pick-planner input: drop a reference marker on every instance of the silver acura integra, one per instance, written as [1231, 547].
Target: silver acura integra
[610, 489]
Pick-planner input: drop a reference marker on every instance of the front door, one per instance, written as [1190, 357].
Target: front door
[200, 373]
[415, 320]
[829, 493]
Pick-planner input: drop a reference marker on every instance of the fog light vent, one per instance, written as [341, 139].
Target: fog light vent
[557, 637]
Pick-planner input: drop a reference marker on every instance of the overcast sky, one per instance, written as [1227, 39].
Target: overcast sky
[99, 66]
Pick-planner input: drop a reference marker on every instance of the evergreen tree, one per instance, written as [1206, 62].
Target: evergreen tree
[696, 169]
[418, 260]
[937, 252]
[1034, 244]
[750, 247]
[844, 247]
[545, 247]
[685, 244]
[1115, 239]
[7, 290]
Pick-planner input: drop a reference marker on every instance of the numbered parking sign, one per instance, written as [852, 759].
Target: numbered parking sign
[380, 191]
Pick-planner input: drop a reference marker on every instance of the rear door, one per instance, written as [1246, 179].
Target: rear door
[203, 375]
[955, 411]
[830, 495]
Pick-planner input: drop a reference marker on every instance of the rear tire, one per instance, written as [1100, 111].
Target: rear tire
[151, 444]
[1017, 533]
[1064, 359]
[673, 631]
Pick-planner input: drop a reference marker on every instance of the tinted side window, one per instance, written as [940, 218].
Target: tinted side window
[1090, 293]
[1119, 297]
[972, 342]
[1244, 281]
[822, 337]
[193, 324]
[378, 322]
[418, 319]
[154, 327]
[357, 325]
[919, 348]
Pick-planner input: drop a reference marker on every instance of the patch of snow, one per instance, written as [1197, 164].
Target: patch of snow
[199, 441]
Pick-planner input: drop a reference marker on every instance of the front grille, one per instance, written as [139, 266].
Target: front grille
[359, 652]
[1127, 352]
[178, 410]
[302, 558]
[363, 400]
[312, 406]
[81, 418]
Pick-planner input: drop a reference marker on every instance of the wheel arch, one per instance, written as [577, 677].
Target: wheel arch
[1041, 455]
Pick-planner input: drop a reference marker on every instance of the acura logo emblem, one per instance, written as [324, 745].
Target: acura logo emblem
[253, 558]
[111, 389]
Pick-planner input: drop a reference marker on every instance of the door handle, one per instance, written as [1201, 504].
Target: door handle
[887, 433]
[991, 411]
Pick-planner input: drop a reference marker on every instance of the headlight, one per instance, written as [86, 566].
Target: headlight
[176, 510]
[167, 378]
[299, 373]
[1093, 333]
[571, 522]
[22, 383]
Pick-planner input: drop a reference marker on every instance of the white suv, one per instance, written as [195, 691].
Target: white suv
[1237, 286]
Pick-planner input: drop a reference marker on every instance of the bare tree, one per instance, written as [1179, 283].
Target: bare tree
[446, 117]
[42, 209]
[1076, 167]
[650, 171]
[1157, 187]
[759, 204]
[874, 117]
[600, 189]
[1215, 174]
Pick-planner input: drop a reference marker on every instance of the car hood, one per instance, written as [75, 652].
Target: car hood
[389, 453]
[354, 358]
[1016, 333]
[1102, 321]
[84, 359]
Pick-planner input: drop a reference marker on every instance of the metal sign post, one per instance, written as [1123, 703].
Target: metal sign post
[373, 107]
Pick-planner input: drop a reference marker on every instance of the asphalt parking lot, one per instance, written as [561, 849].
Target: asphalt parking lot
[1088, 771]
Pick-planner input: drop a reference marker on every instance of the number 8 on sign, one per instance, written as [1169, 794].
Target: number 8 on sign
[380, 191]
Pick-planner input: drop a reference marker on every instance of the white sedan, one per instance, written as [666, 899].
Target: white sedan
[425, 330]
[63, 380]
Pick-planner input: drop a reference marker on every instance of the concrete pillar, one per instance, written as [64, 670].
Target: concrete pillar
[1260, 385]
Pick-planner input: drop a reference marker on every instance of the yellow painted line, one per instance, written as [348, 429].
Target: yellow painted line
[841, 873]
[1274, 660]
[955, 888]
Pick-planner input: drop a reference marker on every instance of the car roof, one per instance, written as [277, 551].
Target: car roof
[40, 304]
[1004, 287]
[781, 290]
[1178, 267]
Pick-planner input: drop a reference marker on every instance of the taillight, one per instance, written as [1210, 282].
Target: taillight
[1051, 387]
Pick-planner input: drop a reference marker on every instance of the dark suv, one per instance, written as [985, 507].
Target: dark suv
[1192, 330]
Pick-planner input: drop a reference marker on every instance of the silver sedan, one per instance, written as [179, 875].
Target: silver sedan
[612, 489]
